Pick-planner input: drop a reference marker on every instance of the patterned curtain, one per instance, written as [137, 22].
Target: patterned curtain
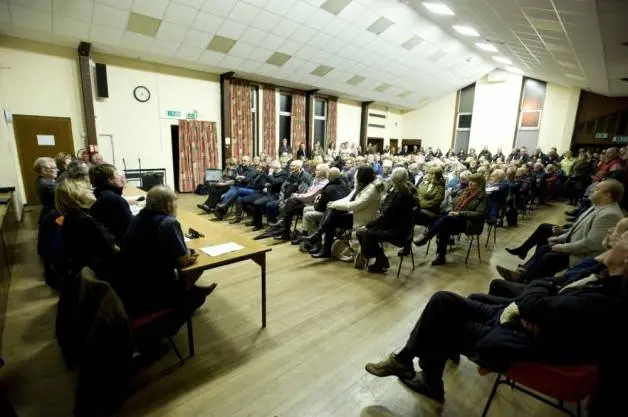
[198, 150]
[298, 120]
[269, 120]
[241, 138]
[332, 121]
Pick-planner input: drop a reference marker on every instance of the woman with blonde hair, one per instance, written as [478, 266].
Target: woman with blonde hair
[85, 241]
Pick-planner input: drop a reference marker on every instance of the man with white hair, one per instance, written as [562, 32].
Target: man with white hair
[46, 169]
[297, 201]
[153, 251]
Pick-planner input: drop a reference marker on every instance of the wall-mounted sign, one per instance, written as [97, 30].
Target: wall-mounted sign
[601, 135]
[45, 140]
[620, 139]
[192, 116]
[173, 113]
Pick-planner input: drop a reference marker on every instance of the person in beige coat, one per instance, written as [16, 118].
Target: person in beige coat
[354, 211]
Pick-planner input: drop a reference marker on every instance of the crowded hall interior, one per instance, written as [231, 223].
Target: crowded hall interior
[312, 208]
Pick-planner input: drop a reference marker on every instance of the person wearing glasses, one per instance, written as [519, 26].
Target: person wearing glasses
[46, 169]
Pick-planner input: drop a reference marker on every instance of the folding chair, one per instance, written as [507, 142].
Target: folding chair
[401, 255]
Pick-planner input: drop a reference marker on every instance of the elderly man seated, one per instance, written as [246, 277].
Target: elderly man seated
[154, 252]
[298, 201]
[584, 238]
[549, 323]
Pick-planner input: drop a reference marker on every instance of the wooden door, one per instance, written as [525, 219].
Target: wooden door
[37, 136]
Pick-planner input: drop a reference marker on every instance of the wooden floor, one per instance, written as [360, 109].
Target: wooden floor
[325, 321]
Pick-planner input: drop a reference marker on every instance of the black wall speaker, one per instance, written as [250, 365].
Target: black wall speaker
[101, 81]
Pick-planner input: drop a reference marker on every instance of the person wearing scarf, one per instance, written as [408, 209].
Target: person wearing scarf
[468, 215]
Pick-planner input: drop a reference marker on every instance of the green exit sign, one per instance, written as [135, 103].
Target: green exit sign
[620, 139]
[192, 116]
[173, 113]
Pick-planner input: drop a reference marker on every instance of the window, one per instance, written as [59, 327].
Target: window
[254, 118]
[320, 121]
[532, 101]
[285, 116]
[464, 121]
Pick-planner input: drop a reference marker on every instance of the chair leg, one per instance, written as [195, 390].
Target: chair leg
[469, 250]
[490, 228]
[412, 257]
[427, 250]
[176, 350]
[191, 349]
[491, 396]
[479, 255]
[400, 263]
[494, 236]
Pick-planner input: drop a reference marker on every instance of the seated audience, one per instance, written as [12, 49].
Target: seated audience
[46, 169]
[557, 249]
[515, 200]
[497, 191]
[297, 201]
[353, 211]
[334, 190]
[539, 183]
[85, 242]
[77, 169]
[251, 192]
[393, 224]
[302, 152]
[218, 189]
[110, 208]
[468, 216]
[245, 173]
[153, 253]
[431, 194]
[253, 204]
[298, 181]
[548, 323]
[62, 160]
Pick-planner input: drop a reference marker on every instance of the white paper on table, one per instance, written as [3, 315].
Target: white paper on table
[218, 250]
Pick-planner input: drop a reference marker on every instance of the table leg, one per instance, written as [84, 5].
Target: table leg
[261, 261]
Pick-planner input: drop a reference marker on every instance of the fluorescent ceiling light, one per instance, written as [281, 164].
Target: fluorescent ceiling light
[466, 30]
[502, 60]
[438, 8]
[575, 77]
[485, 46]
[514, 70]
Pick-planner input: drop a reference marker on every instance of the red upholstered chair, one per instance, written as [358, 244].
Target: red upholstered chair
[563, 383]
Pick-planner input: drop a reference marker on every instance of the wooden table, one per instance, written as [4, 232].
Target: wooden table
[216, 234]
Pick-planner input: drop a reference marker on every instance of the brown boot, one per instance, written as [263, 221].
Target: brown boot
[391, 367]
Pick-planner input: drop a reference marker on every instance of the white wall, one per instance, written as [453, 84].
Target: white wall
[495, 111]
[559, 116]
[433, 123]
[9, 168]
[142, 130]
[39, 83]
[348, 122]
[393, 124]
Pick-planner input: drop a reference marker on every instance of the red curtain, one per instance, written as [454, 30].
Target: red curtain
[241, 138]
[298, 120]
[269, 121]
[332, 121]
[198, 150]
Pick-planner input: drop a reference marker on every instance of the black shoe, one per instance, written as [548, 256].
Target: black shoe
[250, 224]
[236, 220]
[297, 238]
[314, 237]
[257, 228]
[571, 219]
[571, 212]
[220, 211]
[265, 235]
[516, 252]
[405, 251]
[440, 260]
[419, 384]
[423, 241]
[281, 235]
[204, 208]
[206, 290]
[322, 254]
[314, 247]
[376, 268]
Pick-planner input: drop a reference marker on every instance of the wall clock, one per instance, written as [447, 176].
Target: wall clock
[141, 94]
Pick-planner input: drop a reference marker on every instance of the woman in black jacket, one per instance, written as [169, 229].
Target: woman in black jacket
[394, 223]
[110, 208]
[85, 241]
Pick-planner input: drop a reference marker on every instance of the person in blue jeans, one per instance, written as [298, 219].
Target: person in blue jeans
[245, 174]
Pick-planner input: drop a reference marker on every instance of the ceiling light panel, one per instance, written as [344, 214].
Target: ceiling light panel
[485, 46]
[321, 70]
[143, 25]
[502, 60]
[335, 6]
[379, 25]
[356, 79]
[405, 94]
[466, 30]
[221, 44]
[278, 59]
[383, 87]
[438, 8]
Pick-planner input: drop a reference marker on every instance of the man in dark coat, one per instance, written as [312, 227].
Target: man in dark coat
[110, 208]
[253, 204]
[218, 189]
[548, 323]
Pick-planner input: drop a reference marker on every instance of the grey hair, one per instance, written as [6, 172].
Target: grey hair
[324, 168]
[399, 178]
[40, 162]
[274, 164]
[159, 197]
[77, 169]
[333, 174]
